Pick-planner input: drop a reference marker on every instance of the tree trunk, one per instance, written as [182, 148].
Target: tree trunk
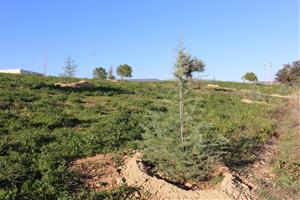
[181, 109]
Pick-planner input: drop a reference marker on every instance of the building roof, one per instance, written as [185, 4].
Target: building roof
[18, 71]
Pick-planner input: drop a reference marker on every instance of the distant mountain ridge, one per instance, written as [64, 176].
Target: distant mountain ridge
[144, 80]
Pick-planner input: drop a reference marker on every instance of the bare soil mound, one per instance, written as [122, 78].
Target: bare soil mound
[79, 84]
[249, 101]
[281, 96]
[231, 187]
[213, 85]
[98, 172]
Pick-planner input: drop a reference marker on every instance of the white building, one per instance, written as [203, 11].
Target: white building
[18, 71]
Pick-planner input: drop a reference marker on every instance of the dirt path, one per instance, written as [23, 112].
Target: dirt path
[230, 188]
[297, 114]
[261, 173]
[281, 96]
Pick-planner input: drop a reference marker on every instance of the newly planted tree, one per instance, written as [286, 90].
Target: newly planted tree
[185, 66]
[179, 146]
[69, 68]
[124, 71]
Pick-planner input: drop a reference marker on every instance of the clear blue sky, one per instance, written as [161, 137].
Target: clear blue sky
[231, 36]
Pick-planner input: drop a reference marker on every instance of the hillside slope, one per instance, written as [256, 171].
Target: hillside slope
[44, 127]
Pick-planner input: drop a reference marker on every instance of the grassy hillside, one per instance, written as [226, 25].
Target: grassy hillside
[262, 88]
[44, 127]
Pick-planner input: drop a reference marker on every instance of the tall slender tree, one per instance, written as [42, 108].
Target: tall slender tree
[69, 68]
[187, 152]
[185, 66]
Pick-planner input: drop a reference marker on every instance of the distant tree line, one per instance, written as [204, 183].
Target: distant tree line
[123, 71]
[289, 74]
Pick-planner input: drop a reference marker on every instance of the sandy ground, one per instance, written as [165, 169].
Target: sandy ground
[213, 86]
[101, 174]
[281, 96]
[230, 188]
[249, 101]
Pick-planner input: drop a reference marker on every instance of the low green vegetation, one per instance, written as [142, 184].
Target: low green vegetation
[43, 128]
[263, 89]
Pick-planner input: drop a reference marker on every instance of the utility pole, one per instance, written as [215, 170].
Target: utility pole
[45, 62]
[266, 77]
[271, 71]
[271, 75]
[214, 78]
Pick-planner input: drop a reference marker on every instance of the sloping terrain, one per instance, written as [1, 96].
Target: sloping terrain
[277, 171]
[45, 128]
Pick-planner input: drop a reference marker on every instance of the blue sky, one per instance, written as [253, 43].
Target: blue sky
[231, 36]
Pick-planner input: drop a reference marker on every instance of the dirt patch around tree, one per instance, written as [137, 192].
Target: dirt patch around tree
[232, 187]
[100, 173]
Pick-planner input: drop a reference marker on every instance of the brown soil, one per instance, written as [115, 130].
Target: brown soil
[232, 187]
[79, 84]
[249, 101]
[281, 96]
[101, 174]
[98, 172]
[213, 85]
[260, 173]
